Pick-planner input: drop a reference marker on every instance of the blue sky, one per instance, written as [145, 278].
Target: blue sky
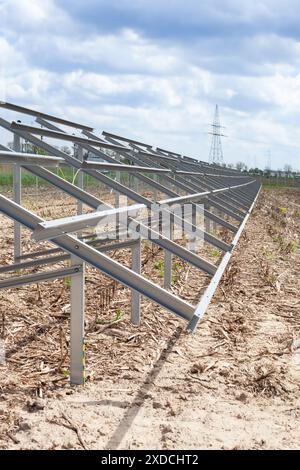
[154, 70]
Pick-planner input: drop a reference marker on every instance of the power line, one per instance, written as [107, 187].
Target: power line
[254, 141]
[262, 142]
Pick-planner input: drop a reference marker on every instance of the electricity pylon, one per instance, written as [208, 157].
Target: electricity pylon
[216, 152]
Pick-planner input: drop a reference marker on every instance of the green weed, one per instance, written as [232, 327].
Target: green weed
[160, 266]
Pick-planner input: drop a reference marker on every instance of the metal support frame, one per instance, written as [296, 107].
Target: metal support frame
[168, 258]
[38, 114]
[210, 290]
[39, 277]
[55, 228]
[94, 202]
[122, 167]
[119, 188]
[136, 296]
[181, 183]
[22, 159]
[76, 272]
[102, 262]
[228, 197]
[17, 180]
[39, 259]
[80, 181]
[77, 360]
[64, 136]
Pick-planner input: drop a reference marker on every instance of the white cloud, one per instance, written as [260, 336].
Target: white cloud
[126, 52]
[32, 15]
[151, 89]
[11, 64]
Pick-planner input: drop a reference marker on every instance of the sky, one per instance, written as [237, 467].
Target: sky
[153, 70]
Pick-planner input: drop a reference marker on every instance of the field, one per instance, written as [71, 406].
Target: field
[234, 384]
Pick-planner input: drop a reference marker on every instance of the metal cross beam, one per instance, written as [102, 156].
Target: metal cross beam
[31, 112]
[122, 167]
[22, 159]
[64, 136]
[55, 228]
[39, 277]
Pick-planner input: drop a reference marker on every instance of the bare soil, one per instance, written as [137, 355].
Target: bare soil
[234, 384]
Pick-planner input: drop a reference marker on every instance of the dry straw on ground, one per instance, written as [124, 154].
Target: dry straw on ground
[247, 346]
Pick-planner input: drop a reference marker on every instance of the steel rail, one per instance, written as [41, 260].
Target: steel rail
[31, 112]
[20, 158]
[57, 227]
[64, 136]
[38, 277]
[101, 166]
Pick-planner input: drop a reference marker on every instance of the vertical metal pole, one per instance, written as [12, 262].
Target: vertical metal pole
[77, 368]
[118, 179]
[135, 184]
[17, 182]
[168, 270]
[194, 223]
[206, 219]
[117, 194]
[80, 180]
[155, 190]
[136, 296]
[219, 213]
[214, 225]
[80, 184]
[168, 262]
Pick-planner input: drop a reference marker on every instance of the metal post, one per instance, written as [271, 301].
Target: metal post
[193, 239]
[17, 183]
[77, 368]
[214, 225]
[80, 179]
[168, 262]
[117, 194]
[168, 270]
[206, 219]
[136, 296]
[155, 190]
